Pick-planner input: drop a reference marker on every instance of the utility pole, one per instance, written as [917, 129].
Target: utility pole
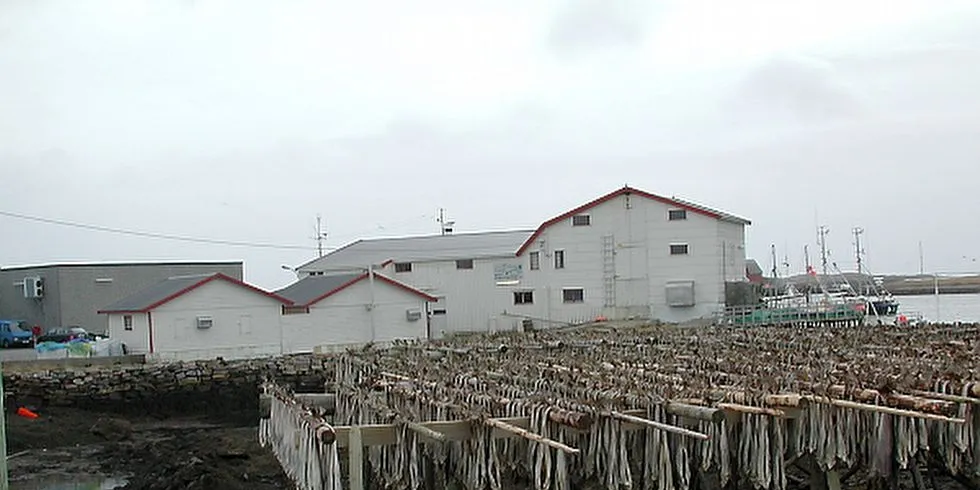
[806, 258]
[922, 264]
[319, 236]
[822, 233]
[445, 227]
[857, 246]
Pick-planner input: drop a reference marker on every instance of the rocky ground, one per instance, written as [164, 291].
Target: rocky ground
[70, 445]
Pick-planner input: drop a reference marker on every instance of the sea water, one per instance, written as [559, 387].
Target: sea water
[945, 308]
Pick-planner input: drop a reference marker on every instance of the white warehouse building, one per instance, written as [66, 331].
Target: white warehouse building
[460, 270]
[628, 254]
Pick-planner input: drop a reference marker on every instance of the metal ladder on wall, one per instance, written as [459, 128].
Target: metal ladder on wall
[609, 270]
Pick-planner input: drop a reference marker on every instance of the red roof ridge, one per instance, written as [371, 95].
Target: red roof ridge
[620, 192]
[204, 280]
[364, 276]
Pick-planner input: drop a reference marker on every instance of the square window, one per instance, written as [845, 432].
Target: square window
[523, 297]
[535, 259]
[676, 214]
[581, 220]
[573, 295]
[127, 322]
[678, 249]
[464, 264]
[403, 267]
[559, 259]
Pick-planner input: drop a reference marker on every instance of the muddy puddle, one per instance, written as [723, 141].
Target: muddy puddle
[78, 482]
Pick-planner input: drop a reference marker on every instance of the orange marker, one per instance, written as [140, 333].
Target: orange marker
[23, 412]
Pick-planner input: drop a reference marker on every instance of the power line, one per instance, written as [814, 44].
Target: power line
[144, 234]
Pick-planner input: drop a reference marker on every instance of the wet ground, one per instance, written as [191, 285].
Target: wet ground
[75, 449]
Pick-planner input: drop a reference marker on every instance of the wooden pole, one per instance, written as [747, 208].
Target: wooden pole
[659, 426]
[325, 401]
[694, 412]
[531, 436]
[883, 409]
[425, 431]
[355, 453]
[4, 482]
[735, 407]
[918, 403]
[946, 397]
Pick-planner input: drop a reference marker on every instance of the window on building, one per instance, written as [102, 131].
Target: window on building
[295, 310]
[559, 259]
[573, 295]
[127, 322]
[535, 259]
[581, 220]
[403, 267]
[523, 297]
[676, 214]
[464, 264]
[678, 249]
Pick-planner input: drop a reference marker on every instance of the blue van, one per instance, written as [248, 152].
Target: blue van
[14, 333]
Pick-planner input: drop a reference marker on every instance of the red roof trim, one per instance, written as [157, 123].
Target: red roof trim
[336, 290]
[380, 277]
[608, 197]
[406, 287]
[198, 284]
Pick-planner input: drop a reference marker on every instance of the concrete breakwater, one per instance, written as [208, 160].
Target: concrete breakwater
[215, 387]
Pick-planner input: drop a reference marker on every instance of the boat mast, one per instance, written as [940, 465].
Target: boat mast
[857, 246]
[775, 263]
[822, 233]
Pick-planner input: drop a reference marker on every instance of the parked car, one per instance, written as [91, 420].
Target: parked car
[13, 333]
[64, 334]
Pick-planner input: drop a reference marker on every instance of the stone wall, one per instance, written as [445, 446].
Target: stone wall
[211, 388]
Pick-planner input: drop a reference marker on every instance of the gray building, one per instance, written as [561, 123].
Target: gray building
[72, 294]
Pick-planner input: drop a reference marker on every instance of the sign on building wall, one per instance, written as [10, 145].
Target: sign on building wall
[507, 274]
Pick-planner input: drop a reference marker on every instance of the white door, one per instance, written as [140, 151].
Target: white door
[438, 323]
[245, 325]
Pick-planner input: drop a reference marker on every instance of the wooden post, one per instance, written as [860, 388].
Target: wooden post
[4, 483]
[355, 453]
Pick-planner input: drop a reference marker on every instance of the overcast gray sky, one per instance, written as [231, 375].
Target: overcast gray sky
[241, 120]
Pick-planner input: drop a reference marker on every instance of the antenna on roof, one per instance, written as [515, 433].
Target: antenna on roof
[445, 227]
[319, 235]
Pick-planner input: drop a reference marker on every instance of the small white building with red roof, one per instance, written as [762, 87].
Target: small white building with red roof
[198, 317]
[333, 312]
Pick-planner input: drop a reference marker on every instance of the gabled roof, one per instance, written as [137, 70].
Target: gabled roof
[752, 267]
[457, 246]
[313, 289]
[670, 201]
[67, 265]
[167, 290]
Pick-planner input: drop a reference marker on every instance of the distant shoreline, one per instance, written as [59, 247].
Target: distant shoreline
[920, 285]
[932, 291]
